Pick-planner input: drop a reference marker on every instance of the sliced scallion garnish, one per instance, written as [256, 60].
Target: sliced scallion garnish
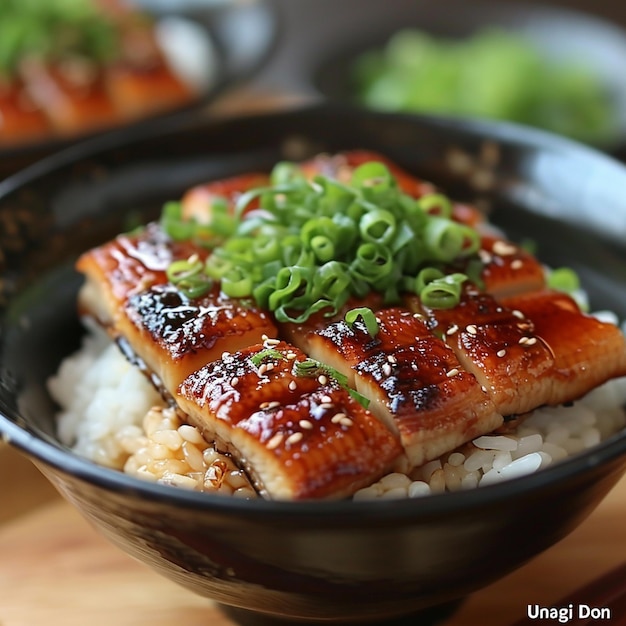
[310, 245]
[311, 368]
[368, 317]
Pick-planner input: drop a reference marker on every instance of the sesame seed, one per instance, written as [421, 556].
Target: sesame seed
[387, 369]
[275, 441]
[234, 381]
[517, 264]
[485, 256]
[453, 329]
[264, 337]
[453, 372]
[501, 353]
[322, 380]
[225, 355]
[346, 421]
[503, 248]
[271, 342]
[273, 404]
[414, 366]
[293, 385]
[336, 419]
[291, 355]
[418, 316]
[294, 438]
[305, 424]
[471, 329]
[326, 405]
[326, 399]
[528, 341]
[264, 405]
[517, 313]
[392, 359]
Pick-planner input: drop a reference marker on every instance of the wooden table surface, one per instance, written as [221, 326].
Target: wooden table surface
[55, 569]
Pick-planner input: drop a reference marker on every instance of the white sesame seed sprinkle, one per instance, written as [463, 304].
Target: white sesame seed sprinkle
[225, 354]
[346, 421]
[517, 313]
[503, 248]
[452, 373]
[386, 369]
[485, 256]
[264, 337]
[294, 438]
[234, 381]
[528, 341]
[392, 359]
[453, 329]
[306, 424]
[291, 355]
[293, 385]
[501, 353]
[471, 329]
[275, 441]
[273, 404]
[338, 417]
[322, 380]
[517, 264]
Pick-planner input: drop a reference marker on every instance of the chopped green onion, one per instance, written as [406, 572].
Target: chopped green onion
[444, 292]
[563, 279]
[368, 317]
[435, 204]
[311, 368]
[310, 245]
[188, 276]
[267, 353]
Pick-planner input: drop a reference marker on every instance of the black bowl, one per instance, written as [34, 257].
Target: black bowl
[316, 560]
[317, 52]
[231, 42]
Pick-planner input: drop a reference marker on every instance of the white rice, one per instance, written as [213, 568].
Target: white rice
[112, 415]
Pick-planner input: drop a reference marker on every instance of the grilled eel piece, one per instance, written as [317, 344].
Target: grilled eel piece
[530, 349]
[170, 334]
[297, 436]
[415, 383]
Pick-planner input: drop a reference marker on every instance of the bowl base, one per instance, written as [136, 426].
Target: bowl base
[425, 617]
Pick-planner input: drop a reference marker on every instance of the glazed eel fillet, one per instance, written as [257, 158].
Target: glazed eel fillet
[322, 407]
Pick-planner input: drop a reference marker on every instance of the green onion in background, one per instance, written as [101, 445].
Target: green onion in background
[493, 74]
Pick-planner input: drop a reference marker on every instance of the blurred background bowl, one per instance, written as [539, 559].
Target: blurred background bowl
[327, 561]
[322, 40]
[212, 45]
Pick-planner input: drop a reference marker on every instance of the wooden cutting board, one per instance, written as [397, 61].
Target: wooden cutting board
[56, 570]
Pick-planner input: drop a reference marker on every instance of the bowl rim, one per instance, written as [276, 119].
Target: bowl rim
[62, 459]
